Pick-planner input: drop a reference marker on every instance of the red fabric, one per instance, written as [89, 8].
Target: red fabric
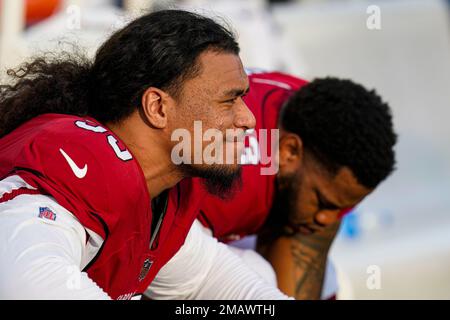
[112, 199]
[248, 209]
[17, 192]
[245, 213]
[345, 212]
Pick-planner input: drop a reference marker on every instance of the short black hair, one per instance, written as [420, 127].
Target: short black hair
[341, 123]
[159, 49]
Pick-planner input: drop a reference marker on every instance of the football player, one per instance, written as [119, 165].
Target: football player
[92, 204]
[335, 147]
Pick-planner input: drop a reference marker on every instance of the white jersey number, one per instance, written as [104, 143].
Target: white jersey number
[123, 155]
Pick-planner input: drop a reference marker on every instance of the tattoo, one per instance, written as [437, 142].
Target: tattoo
[309, 253]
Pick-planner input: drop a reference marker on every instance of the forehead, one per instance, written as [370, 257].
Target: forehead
[343, 187]
[220, 72]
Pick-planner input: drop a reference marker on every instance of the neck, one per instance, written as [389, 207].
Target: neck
[150, 152]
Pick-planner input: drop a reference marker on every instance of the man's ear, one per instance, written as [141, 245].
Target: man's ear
[291, 153]
[155, 107]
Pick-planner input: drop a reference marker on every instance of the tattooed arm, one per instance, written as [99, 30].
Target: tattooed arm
[299, 260]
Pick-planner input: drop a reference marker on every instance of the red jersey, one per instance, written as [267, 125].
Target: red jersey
[247, 210]
[90, 172]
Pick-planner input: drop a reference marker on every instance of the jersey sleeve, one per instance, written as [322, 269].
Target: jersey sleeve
[79, 169]
[42, 248]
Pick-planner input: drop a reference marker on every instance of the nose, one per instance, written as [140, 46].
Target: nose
[327, 217]
[244, 118]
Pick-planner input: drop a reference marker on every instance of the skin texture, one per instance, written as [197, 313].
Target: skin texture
[311, 199]
[216, 96]
[147, 132]
[299, 261]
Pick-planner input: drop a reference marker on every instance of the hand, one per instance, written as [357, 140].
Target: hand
[299, 260]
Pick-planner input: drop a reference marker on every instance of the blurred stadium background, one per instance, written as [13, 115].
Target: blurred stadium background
[404, 227]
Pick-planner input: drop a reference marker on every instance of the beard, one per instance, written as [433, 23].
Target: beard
[219, 180]
[286, 197]
[283, 206]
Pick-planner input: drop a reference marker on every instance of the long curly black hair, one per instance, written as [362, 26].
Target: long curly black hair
[159, 49]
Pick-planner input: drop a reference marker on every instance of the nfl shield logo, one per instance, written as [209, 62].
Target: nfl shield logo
[145, 268]
[46, 213]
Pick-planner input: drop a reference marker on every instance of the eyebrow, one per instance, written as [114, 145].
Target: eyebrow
[326, 202]
[236, 92]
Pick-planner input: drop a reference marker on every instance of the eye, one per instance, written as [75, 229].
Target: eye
[231, 100]
[324, 205]
[320, 203]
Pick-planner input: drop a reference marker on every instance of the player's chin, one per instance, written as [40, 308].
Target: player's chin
[225, 172]
[219, 179]
[231, 170]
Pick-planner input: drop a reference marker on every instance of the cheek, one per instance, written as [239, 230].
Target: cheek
[211, 114]
[300, 204]
[307, 201]
[195, 117]
[205, 112]
[195, 105]
[307, 205]
[217, 118]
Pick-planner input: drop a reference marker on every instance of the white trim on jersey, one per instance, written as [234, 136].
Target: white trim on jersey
[94, 242]
[273, 83]
[256, 71]
[11, 183]
[250, 71]
[42, 258]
